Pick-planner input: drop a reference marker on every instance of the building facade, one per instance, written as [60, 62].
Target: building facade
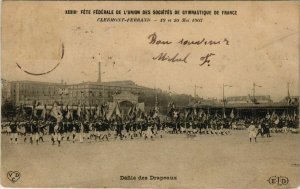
[88, 93]
[248, 99]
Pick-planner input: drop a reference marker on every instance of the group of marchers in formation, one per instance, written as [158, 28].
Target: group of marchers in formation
[67, 129]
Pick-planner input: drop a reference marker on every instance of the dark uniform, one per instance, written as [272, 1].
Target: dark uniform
[35, 131]
[226, 127]
[51, 132]
[69, 129]
[86, 130]
[14, 133]
[105, 130]
[144, 128]
[76, 130]
[64, 130]
[41, 127]
[119, 129]
[267, 128]
[98, 130]
[58, 131]
[28, 132]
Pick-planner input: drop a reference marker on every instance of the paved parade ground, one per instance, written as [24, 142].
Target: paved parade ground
[206, 161]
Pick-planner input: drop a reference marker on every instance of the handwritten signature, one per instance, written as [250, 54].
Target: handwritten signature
[177, 57]
[206, 59]
[183, 59]
[153, 39]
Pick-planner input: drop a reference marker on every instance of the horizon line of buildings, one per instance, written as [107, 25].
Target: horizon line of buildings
[89, 93]
[92, 93]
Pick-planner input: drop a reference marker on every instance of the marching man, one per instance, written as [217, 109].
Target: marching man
[51, 132]
[58, 130]
[252, 131]
[14, 133]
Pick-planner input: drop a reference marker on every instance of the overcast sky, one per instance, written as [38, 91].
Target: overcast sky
[263, 46]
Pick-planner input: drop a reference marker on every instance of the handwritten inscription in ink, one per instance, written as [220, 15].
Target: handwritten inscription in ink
[178, 57]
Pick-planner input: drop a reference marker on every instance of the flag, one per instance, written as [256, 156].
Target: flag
[273, 116]
[171, 104]
[283, 116]
[118, 112]
[130, 111]
[86, 113]
[142, 115]
[277, 120]
[216, 114]
[122, 114]
[204, 116]
[288, 117]
[195, 112]
[224, 115]
[60, 91]
[83, 112]
[110, 110]
[34, 111]
[69, 114]
[268, 116]
[79, 110]
[232, 114]
[176, 114]
[104, 110]
[140, 107]
[56, 113]
[133, 112]
[22, 110]
[98, 112]
[200, 113]
[61, 107]
[186, 113]
[155, 113]
[44, 112]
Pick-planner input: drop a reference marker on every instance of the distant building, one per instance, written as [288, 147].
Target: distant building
[248, 99]
[290, 100]
[5, 91]
[88, 93]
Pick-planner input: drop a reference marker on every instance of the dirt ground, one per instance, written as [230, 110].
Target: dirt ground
[207, 161]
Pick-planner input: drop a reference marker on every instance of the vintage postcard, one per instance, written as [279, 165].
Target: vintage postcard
[150, 94]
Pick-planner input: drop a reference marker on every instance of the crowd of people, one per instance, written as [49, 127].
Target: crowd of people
[33, 131]
[87, 127]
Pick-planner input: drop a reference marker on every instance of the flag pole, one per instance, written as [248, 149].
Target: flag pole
[253, 92]
[102, 94]
[224, 98]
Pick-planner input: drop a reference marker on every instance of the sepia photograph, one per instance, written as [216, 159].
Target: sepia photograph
[150, 94]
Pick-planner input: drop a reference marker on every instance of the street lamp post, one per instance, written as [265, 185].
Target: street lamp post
[288, 89]
[254, 85]
[254, 100]
[195, 90]
[224, 97]
[102, 94]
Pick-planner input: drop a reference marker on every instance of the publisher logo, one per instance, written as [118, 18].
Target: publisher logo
[13, 176]
[278, 180]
